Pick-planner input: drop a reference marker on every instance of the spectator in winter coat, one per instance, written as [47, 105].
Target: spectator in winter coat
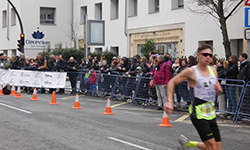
[113, 65]
[133, 67]
[244, 67]
[104, 66]
[61, 66]
[83, 65]
[92, 80]
[124, 67]
[231, 73]
[220, 69]
[42, 62]
[90, 61]
[95, 63]
[72, 66]
[176, 67]
[161, 77]
[144, 65]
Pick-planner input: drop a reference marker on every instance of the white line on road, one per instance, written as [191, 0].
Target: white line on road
[137, 146]
[25, 111]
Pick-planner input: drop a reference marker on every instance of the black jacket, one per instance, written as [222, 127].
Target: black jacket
[83, 66]
[244, 69]
[220, 71]
[144, 68]
[231, 72]
[104, 68]
[132, 69]
[61, 65]
[51, 64]
[70, 65]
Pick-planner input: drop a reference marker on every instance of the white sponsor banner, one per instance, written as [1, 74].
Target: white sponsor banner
[54, 79]
[3, 76]
[33, 78]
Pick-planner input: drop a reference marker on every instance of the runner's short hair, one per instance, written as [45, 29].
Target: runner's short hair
[203, 47]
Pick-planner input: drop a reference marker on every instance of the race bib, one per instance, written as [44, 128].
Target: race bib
[208, 110]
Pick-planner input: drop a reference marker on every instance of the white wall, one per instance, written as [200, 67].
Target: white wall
[30, 14]
[196, 27]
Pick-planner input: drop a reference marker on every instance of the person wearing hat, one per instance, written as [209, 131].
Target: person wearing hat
[130, 85]
[138, 59]
[133, 67]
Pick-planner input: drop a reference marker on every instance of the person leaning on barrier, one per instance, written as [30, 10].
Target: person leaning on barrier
[144, 65]
[124, 66]
[161, 77]
[6, 62]
[95, 63]
[72, 69]
[83, 65]
[42, 62]
[51, 62]
[61, 66]
[244, 67]
[133, 67]
[22, 60]
[89, 63]
[113, 66]
[231, 72]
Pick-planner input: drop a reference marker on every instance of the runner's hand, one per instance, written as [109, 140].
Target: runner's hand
[218, 88]
[168, 107]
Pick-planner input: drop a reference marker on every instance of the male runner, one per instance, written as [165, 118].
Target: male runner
[204, 86]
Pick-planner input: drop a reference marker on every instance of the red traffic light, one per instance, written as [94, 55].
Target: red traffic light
[22, 35]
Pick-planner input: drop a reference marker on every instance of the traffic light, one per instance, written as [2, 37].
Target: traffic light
[20, 45]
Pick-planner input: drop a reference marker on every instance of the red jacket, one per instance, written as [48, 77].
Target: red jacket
[161, 76]
[92, 78]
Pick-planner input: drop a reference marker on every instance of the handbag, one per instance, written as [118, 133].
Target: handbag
[151, 83]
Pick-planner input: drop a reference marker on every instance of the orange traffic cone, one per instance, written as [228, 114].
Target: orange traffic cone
[165, 121]
[13, 93]
[34, 97]
[1, 90]
[18, 94]
[108, 108]
[77, 103]
[53, 99]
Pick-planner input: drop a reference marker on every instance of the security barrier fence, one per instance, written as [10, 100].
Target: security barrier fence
[233, 102]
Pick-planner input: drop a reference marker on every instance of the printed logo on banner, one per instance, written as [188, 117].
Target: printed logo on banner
[12, 73]
[1, 80]
[24, 82]
[47, 82]
[37, 75]
[25, 75]
[60, 76]
[36, 83]
[48, 76]
[60, 83]
[11, 81]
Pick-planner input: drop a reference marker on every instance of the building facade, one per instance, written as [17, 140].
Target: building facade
[171, 24]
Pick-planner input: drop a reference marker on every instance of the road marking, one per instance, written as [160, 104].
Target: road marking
[118, 104]
[70, 97]
[182, 118]
[137, 109]
[25, 111]
[134, 145]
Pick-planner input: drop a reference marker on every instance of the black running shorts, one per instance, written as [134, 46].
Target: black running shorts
[207, 129]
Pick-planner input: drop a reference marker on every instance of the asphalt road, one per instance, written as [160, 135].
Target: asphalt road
[36, 125]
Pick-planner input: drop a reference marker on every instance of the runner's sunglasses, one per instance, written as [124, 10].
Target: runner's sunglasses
[206, 54]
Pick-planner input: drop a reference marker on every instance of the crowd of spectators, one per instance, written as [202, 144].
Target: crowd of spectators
[161, 67]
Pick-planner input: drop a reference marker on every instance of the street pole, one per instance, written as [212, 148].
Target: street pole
[19, 19]
[86, 37]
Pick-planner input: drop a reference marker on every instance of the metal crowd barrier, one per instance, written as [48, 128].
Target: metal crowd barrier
[243, 109]
[234, 101]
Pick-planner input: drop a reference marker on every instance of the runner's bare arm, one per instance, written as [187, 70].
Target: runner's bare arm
[217, 86]
[184, 75]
